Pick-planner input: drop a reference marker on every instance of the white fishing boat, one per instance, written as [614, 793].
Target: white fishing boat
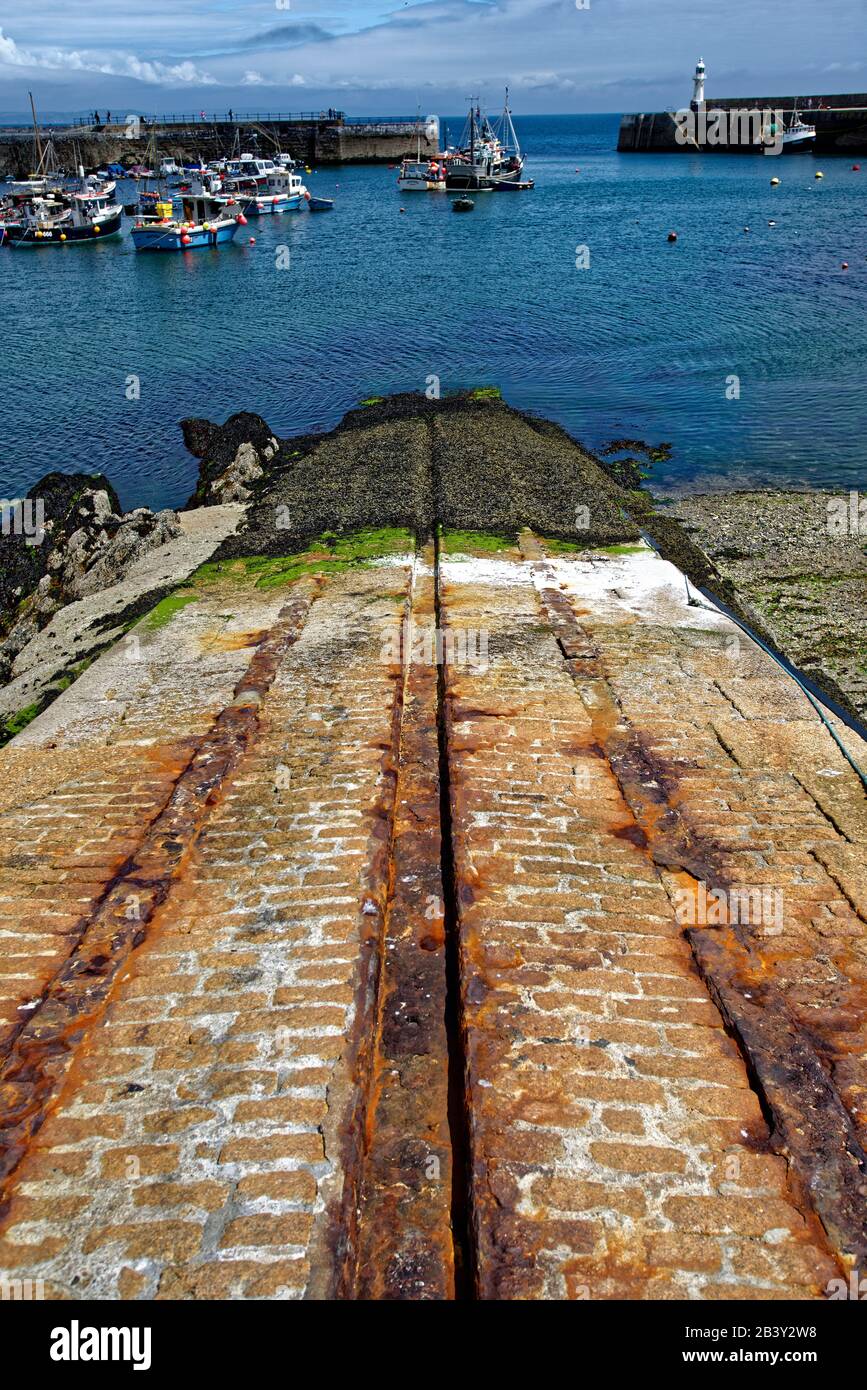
[259, 186]
[422, 175]
[796, 136]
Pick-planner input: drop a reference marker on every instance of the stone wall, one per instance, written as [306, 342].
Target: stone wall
[313, 141]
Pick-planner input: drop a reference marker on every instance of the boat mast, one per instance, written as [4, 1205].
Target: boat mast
[37, 136]
[509, 131]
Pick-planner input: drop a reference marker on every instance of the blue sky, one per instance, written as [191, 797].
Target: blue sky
[389, 56]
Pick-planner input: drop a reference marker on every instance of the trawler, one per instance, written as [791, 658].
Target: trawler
[489, 157]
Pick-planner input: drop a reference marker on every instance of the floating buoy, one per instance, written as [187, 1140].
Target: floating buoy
[845, 265]
[672, 236]
[746, 229]
[252, 241]
[403, 209]
[774, 182]
[819, 174]
[96, 229]
[772, 224]
[241, 219]
[62, 236]
[186, 239]
[856, 168]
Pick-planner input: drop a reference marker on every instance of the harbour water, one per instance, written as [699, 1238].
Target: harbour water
[643, 343]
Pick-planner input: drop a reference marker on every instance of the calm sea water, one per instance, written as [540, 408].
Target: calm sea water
[642, 344]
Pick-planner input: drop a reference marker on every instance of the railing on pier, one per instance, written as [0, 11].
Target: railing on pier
[200, 118]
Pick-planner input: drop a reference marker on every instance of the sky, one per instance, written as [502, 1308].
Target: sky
[390, 57]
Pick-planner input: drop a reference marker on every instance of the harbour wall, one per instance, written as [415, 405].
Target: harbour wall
[841, 128]
[314, 141]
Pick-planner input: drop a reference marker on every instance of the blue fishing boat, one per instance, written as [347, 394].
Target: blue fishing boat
[319, 204]
[205, 220]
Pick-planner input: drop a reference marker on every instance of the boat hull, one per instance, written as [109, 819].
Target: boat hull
[170, 238]
[271, 203]
[19, 235]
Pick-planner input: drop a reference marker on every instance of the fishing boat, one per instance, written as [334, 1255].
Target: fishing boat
[796, 138]
[419, 175]
[319, 204]
[489, 157]
[85, 216]
[260, 186]
[205, 221]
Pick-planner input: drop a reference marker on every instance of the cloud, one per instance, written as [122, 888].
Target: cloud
[288, 36]
[113, 65]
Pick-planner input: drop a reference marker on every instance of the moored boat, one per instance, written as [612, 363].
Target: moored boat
[488, 157]
[260, 186]
[204, 221]
[85, 216]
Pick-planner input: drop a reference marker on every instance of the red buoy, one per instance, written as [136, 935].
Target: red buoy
[856, 168]
[186, 239]
[241, 220]
[252, 241]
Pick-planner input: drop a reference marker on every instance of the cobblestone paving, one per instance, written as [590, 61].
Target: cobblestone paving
[410, 1006]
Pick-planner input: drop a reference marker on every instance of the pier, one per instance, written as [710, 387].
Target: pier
[311, 138]
[840, 121]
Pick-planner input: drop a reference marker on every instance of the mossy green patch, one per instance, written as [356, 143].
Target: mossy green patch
[166, 610]
[16, 722]
[486, 393]
[329, 553]
[372, 400]
[471, 542]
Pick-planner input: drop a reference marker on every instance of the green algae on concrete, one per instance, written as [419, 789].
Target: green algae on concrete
[330, 553]
[475, 542]
[166, 610]
[16, 722]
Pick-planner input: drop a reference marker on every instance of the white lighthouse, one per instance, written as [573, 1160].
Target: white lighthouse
[698, 85]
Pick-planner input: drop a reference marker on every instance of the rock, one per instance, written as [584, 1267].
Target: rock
[147, 558]
[53, 505]
[232, 457]
[92, 548]
[198, 435]
[232, 486]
